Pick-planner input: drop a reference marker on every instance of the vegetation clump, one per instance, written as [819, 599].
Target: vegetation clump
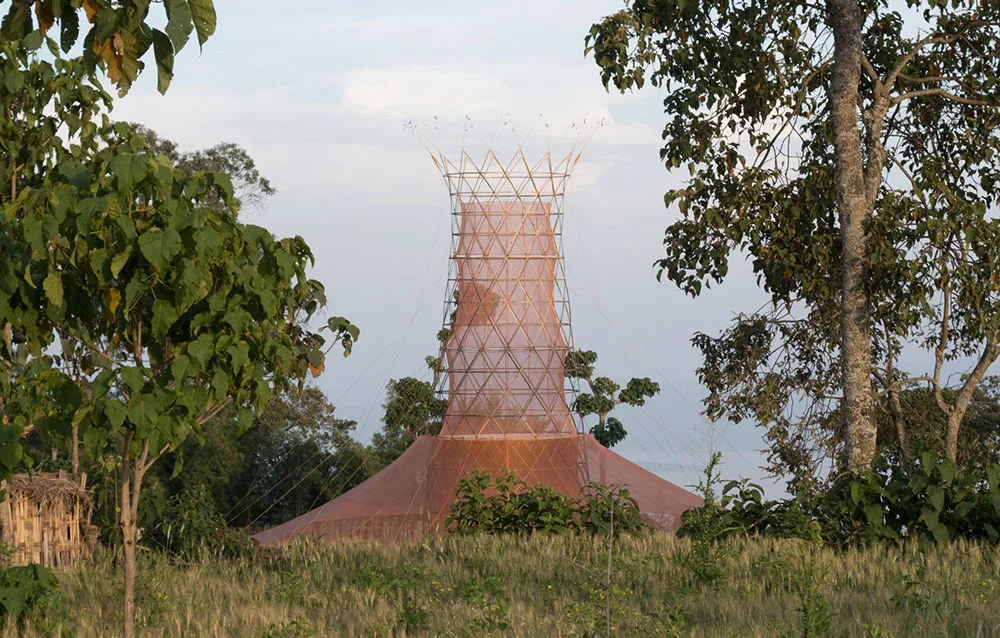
[506, 504]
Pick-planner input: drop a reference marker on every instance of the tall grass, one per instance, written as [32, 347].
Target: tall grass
[538, 586]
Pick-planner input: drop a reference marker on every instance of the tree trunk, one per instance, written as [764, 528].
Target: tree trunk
[896, 415]
[964, 397]
[854, 211]
[131, 486]
[75, 458]
[128, 542]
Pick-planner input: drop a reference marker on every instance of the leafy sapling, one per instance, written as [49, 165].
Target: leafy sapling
[604, 396]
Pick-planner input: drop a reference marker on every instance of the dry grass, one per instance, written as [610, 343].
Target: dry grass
[539, 586]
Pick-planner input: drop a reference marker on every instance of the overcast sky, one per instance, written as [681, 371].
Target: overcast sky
[320, 93]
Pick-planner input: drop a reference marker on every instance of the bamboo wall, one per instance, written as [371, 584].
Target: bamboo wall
[50, 528]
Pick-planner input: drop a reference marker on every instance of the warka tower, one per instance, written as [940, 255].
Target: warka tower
[507, 318]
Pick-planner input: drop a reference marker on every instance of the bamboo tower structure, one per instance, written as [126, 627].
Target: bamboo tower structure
[508, 330]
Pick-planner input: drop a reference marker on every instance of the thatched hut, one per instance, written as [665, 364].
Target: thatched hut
[45, 519]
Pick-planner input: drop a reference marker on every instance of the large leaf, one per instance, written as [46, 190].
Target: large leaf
[160, 246]
[119, 261]
[203, 15]
[129, 169]
[163, 51]
[69, 26]
[179, 22]
[11, 450]
[142, 412]
[934, 526]
[936, 497]
[53, 289]
[115, 411]
[164, 317]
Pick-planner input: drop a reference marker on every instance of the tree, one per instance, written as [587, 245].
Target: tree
[795, 120]
[296, 454]
[250, 188]
[602, 398]
[119, 35]
[177, 310]
[412, 409]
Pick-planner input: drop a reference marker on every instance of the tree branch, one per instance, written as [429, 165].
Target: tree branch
[870, 71]
[934, 38]
[209, 414]
[941, 349]
[929, 80]
[942, 92]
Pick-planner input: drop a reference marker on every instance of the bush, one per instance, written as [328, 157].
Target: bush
[507, 505]
[24, 588]
[190, 525]
[602, 507]
[930, 500]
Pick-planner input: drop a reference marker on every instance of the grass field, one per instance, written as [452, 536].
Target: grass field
[539, 586]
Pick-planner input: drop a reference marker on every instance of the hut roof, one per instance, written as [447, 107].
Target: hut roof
[43, 488]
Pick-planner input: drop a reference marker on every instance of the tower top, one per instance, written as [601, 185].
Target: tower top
[504, 151]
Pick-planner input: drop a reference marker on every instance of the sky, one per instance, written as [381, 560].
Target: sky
[324, 94]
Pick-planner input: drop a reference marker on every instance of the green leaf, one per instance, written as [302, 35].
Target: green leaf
[160, 246]
[69, 26]
[106, 23]
[203, 15]
[268, 302]
[164, 317]
[53, 289]
[114, 410]
[129, 169]
[179, 22]
[936, 497]
[179, 368]
[142, 412]
[224, 184]
[340, 324]
[11, 450]
[220, 384]
[238, 320]
[200, 350]
[934, 526]
[163, 51]
[133, 378]
[238, 355]
[947, 470]
[963, 509]
[119, 262]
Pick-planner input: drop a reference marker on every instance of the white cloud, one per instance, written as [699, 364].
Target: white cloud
[423, 92]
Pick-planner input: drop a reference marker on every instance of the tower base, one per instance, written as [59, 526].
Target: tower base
[413, 495]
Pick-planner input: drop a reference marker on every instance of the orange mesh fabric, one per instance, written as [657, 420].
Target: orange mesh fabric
[506, 351]
[413, 495]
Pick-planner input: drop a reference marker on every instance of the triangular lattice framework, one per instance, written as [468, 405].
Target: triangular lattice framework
[507, 305]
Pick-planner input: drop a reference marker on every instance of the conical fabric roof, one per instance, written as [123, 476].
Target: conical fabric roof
[413, 496]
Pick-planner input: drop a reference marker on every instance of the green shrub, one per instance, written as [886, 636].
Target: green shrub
[930, 499]
[24, 588]
[602, 507]
[506, 504]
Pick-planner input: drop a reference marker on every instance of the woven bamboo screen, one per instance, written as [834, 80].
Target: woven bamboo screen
[45, 519]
